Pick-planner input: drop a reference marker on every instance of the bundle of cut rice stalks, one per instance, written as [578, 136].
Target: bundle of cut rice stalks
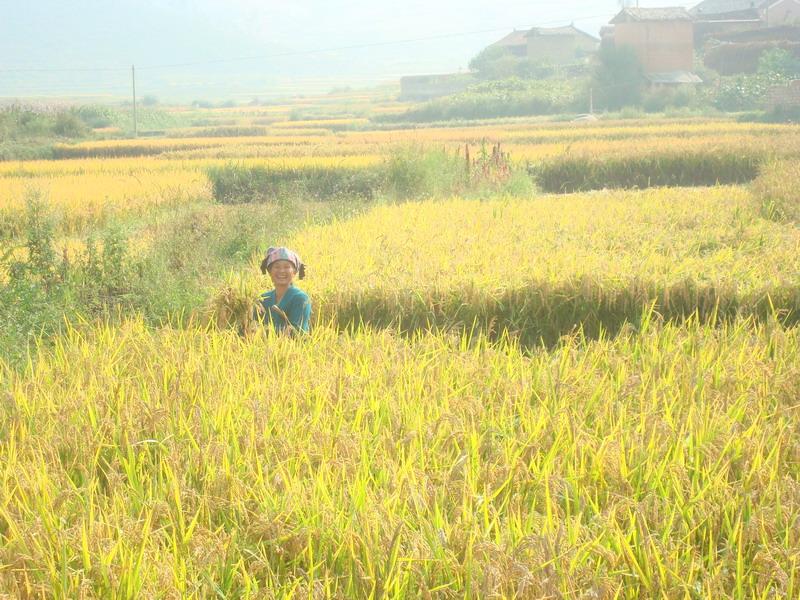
[236, 306]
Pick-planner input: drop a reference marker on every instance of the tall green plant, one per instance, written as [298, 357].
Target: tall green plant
[617, 80]
[40, 261]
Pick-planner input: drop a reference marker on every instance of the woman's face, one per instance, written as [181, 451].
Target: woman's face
[281, 272]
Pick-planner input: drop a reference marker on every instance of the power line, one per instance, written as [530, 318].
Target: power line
[64, 70]
[281, 54]
[320, 50]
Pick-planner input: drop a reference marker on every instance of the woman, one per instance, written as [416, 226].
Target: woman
[286, 307]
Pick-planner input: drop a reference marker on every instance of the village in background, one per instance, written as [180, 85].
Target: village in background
[726, 54]
[718, 57]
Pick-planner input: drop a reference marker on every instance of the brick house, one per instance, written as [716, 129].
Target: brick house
[727, 10]
[734, 33]
[560, 45]
[662, 38]
[721, 17]
[515, 42]
[781, 12]
[769, 13]
[553, 45]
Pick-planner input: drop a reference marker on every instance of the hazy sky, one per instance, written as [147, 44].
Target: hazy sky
[286, 36]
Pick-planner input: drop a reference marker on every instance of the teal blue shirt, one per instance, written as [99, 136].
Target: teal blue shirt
[295, 304]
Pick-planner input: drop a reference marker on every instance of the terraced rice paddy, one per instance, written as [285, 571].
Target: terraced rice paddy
[587, 395]
[110, 177]
[539, 267]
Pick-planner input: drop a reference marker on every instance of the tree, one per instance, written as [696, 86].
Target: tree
[617, 78]
[778, 61]
[68, 124]
[534, 69]
[494, 62]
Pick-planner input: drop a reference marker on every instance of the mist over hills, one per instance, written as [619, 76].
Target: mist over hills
[188, 50]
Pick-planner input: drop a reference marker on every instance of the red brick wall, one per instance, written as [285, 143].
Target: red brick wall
[660, 45]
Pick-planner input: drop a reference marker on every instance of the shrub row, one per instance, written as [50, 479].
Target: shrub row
[234, 184]
[540, 313]
[132, 149]
[582, 173]
[415, 174]
[507, 98]
[407, 173]
[224, 131]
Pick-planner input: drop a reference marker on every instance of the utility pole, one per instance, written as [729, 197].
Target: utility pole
[591, 101]
[133, 81]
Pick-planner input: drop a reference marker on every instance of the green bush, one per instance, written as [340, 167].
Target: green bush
[192, 245]
[20, 122]
[494, 62]
[661, 100]
[69, 125]
[96, 116]
[27, 133]
[16, 150]
[779, 61]
[743, 92]
[40, 264]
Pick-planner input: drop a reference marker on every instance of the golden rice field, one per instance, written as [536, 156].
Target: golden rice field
[578, 396]
[305, 123]
[88, 192]
[513, 132]
[133, 166]
[131, 176]
[662, 463]
[539, 266]
[89, 199]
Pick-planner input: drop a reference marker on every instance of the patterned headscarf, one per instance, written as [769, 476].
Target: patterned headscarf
[282, 253]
